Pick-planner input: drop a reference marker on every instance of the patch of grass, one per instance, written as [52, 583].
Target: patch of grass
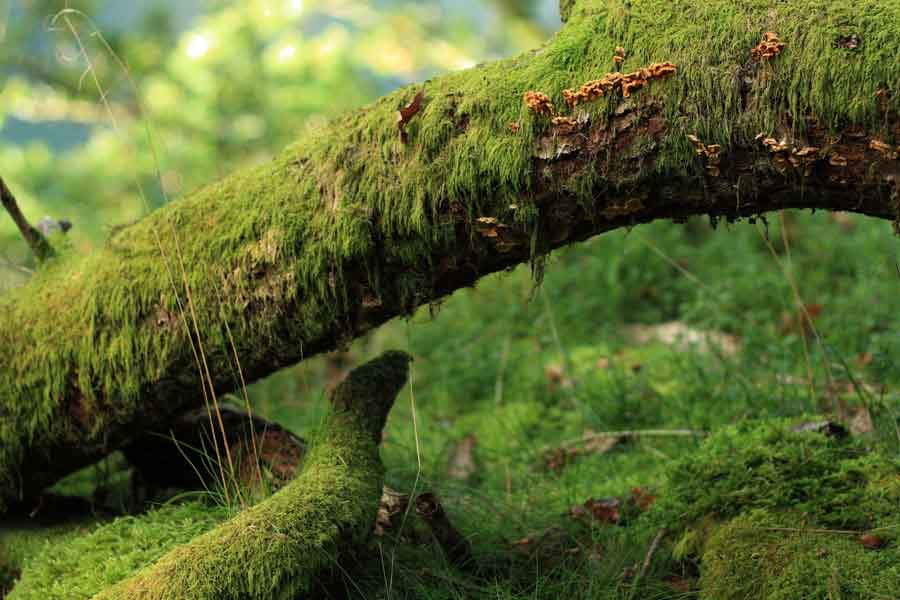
[497, 337]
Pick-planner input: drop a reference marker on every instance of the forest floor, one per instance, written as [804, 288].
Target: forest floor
[520, 400]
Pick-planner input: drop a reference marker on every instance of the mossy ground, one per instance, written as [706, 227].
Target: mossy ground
[480, 370]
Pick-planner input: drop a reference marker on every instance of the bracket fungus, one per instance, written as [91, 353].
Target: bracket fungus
[768, 48]
[711, 152]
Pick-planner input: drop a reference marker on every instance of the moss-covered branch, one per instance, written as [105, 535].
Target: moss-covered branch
[272, 550]
[355, 225]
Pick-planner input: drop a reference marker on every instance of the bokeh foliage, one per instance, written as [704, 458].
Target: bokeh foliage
[193, 96]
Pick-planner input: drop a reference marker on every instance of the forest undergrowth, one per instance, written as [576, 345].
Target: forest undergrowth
[558, 425]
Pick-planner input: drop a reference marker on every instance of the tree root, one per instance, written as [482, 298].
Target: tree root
[276, 548]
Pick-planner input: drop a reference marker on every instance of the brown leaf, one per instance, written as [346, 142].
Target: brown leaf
[642, 498]
[603, 510]
[592, 443]
[872, 542]
[598, 444]
[557, 378]
[798, 322]
[556, 459]
[864, 359]
[405, 114]
[462, 459]
[678, 584]
[548, 547]
[861, 422]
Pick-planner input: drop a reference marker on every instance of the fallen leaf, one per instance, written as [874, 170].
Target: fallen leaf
[678, 584]
[548, 547]
[555, 460]
[405, 114]
[799, 322]
[462, 459]
[642, 498]
[591, 443]
[598, 444]
[872, 542]
[861, 422]
[603, 510]
[557, 378]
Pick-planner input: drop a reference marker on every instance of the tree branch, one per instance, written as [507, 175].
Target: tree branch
[351, 227]
[39, 245]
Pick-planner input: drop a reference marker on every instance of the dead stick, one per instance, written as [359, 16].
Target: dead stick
[36, 241]
[455, 545]
[628, 434]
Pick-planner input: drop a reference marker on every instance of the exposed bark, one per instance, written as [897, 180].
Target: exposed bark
[353, 226]
[262, 455]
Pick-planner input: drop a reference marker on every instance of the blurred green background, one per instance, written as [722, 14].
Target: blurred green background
[204, 87]
[605, 342]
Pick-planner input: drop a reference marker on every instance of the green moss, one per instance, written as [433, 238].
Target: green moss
[833, 482]
[774, 556]
[828, 491]
[270, 550]
[258, 250]
[276, 548]
[20, 541]
[82, 563]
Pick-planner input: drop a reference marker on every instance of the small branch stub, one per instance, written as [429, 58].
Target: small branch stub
[39, 245]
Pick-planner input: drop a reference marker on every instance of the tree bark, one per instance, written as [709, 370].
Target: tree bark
[384, 211]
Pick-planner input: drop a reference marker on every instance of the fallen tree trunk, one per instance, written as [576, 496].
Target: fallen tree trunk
[382, 212]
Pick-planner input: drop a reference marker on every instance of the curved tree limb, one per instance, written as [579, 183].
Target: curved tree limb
[353, 225]
[276, 548]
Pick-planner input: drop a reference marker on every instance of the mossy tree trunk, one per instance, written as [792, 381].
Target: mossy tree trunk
[360, 222]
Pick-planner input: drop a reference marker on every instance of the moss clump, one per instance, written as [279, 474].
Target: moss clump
[772, 556]
[83, 563]
[751, 476]
[833, 481]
